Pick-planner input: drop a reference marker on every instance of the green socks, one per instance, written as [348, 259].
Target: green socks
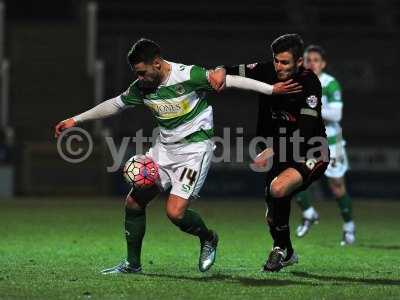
[345, 207]
[135, 227]
[303, 200]
[193, 224]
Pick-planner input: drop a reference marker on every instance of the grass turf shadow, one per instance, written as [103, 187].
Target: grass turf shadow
[246, 281]
[380, 247]
[371, 281]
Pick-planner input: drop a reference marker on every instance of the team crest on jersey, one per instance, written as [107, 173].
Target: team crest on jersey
[179, 89]
[251, 66]
[310, 163]
[312, 101]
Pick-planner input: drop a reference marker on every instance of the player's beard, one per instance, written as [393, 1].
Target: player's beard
[150, 85]
[282, 76]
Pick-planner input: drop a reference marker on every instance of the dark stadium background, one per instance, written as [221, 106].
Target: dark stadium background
[46, 47]
[62, 223]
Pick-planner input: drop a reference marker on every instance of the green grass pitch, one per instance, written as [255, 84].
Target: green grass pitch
[55, 248]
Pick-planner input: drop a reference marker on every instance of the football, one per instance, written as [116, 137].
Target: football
[141, 171]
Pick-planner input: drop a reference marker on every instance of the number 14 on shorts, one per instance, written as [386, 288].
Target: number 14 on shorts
[188, 178]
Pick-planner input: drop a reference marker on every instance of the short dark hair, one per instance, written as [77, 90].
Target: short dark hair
[318, 49]
[144, 50]
[291, 42]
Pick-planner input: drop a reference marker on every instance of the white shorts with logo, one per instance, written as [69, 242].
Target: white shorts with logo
[183, 167]
[339, 163]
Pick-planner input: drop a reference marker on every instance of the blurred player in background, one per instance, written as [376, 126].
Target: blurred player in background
[332, 105]
[177, 97]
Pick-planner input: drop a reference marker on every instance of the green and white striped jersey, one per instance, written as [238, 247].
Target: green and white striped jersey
[179, 105]
[331, 98]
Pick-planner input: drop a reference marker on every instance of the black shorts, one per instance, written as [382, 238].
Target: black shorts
[311, 171]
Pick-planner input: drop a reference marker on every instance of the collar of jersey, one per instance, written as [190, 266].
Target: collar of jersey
[165, 83]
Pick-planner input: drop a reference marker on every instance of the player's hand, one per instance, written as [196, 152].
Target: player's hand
[286, 87]
[261, 159]
[60, 127]
[216, 78]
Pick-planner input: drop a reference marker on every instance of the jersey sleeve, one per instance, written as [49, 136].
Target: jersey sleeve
[253, 71]
[334, 92]
[310, 104]
[199, 79]
[132, 96]
[310, 112]
[264, 122]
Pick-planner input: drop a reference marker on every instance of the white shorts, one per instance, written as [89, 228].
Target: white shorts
[183, 167]
[339, 163]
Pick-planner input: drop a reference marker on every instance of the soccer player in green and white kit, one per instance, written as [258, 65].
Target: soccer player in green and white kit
[315, 59]
[177, 96]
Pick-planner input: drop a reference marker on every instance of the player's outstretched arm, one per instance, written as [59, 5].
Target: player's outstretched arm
[101, 111]
[63, 125]
[219, 80]
[286, 87]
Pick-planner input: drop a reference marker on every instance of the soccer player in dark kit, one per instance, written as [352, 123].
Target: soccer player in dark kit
[293, 122]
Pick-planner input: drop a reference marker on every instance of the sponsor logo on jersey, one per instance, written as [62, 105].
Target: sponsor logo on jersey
[251, 66]
[312, 101]
[170, 110]
[283, 115]
[163, 109]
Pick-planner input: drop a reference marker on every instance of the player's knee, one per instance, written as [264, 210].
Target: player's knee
[132, 203]
[277, 189]
[339, 191]
[338, 188]
[174, 213]
[176, 208]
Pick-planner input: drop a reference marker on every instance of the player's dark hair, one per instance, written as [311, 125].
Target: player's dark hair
[318, 49]
[144, 50]
[291, 42]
